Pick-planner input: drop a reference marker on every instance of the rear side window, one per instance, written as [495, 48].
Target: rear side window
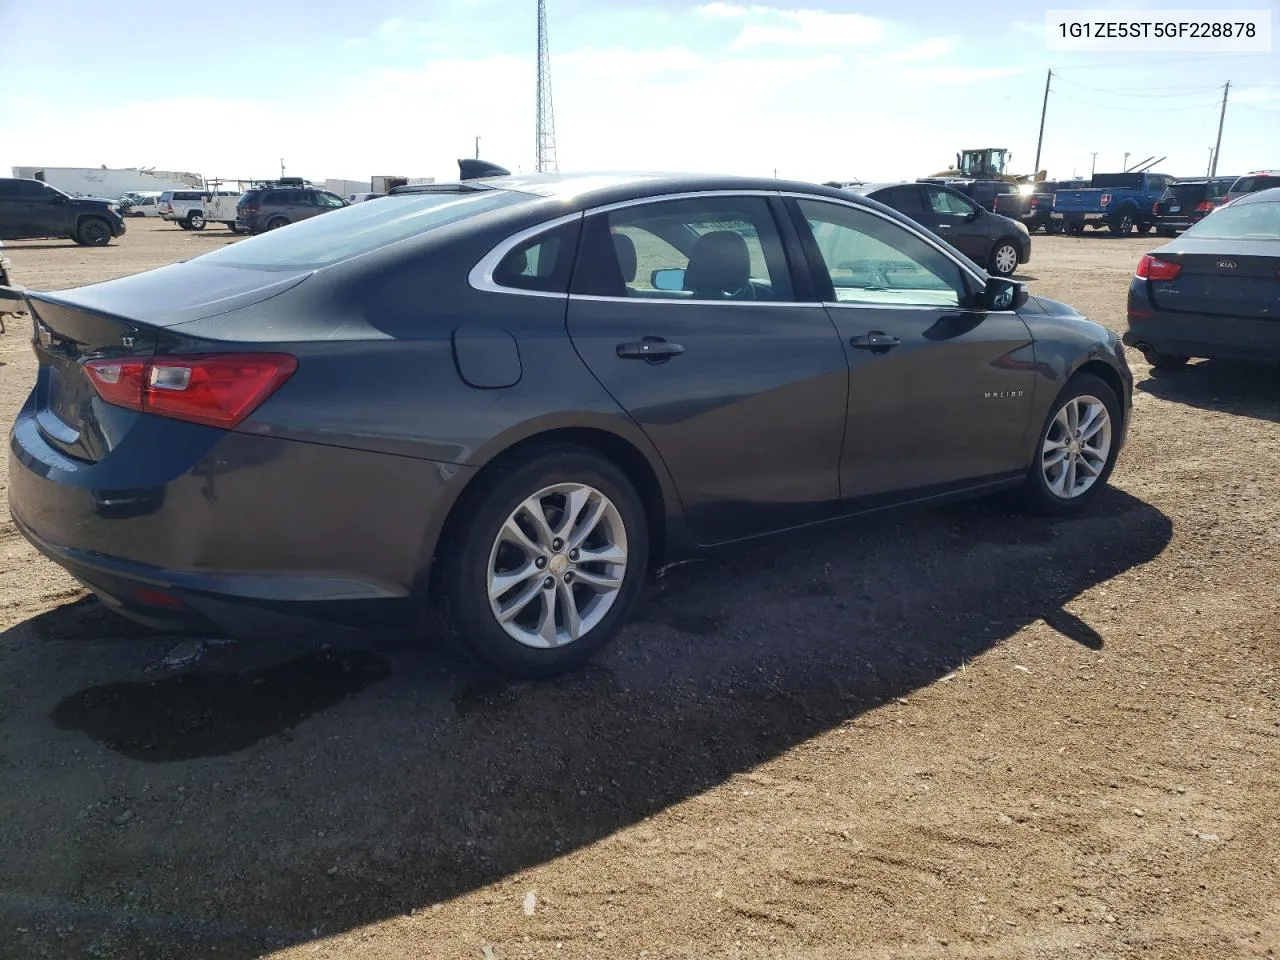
[1254, 184]
[543, 263]
[274, 196]
[903, 199]
[360, 228]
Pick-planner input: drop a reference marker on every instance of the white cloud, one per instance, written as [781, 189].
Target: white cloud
[810, 28]
[726, 11]
[931, 49]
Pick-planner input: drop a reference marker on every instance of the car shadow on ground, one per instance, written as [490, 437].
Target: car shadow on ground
[248, 803]
[1243, 389]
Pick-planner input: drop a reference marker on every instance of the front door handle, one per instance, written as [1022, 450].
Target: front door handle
[877, 341]
[652, 349]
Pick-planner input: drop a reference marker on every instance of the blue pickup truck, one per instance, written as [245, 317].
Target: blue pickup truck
[1118, 201]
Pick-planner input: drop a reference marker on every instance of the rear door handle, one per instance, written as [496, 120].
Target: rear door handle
[876, 340]
[652, 349]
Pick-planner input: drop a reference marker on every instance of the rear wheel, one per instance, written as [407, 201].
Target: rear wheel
[1077, 449]
[195, 221]
[1122, 225]
[275, 223]
[1166, 232]
[1004, 258]
[542, 568]
[235, 228]
[93, 232]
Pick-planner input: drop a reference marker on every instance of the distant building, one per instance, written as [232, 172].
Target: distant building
[345, 188]
[111, 184]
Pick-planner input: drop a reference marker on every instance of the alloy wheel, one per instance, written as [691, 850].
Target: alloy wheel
[557, 565]
[1076, 447]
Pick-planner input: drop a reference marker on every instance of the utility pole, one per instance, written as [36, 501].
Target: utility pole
[1044, 108]
[1093, 164]
[545, 152]
[282, 168]
[477, 148]
[1213, 167]
[1208, 171]
[1124, 167]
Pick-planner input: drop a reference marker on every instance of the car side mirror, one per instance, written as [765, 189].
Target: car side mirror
[973, 215]
[1002, 294]
[670, 279]
[57, 198]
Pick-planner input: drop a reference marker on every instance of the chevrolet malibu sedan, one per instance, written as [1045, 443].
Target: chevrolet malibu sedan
[503, 402]
[1215, 291]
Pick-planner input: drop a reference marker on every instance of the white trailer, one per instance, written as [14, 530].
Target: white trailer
[109, 184]
[383, 184]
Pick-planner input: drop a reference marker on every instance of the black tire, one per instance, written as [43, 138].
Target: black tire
[93, 232]
[1166, 232]
[1036, 495]
[463, 561]
[1121, 225]
[1075, 228]
[1052, 227]
[1144, 228]
[195, 221]
[1003, 251]
[183, 224]
[275, 223]
[1164, 361]
[235, 228]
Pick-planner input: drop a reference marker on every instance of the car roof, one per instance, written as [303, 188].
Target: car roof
[866, 188]
[591, 189]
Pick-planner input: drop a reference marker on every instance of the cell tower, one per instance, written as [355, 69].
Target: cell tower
[546, 134]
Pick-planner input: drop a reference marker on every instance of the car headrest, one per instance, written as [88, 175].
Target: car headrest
[719, 266]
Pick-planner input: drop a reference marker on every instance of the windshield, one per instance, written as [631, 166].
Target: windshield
[1248, 221]
[360, 228]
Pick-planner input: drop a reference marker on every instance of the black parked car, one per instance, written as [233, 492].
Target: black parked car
[280, 204]
[1214, 291]
[1189, 201]
[31, 209]
[511, 398]
[997, 242]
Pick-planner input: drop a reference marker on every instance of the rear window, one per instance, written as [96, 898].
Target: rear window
[1244, 221]
[1118, 181]
[360, 228]
[1254, 184]
[1186, 192]
[251, 196]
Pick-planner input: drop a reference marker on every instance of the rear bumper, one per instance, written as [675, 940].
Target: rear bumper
[1201, 335]
[252, 535]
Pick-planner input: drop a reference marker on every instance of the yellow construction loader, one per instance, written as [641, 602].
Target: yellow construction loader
[987, 163]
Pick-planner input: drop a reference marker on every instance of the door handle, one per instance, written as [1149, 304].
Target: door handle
[877, 341]
[944, 226]
[650, 349]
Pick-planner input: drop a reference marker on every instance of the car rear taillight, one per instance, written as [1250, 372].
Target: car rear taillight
[1155, 207]
[217, 389]
[1035, 202]
[1106, 198]
[1153, 268]
[1204, 206]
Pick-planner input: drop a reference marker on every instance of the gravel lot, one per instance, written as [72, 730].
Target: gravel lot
[953, 733]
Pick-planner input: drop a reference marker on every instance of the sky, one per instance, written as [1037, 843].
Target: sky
[811, 89]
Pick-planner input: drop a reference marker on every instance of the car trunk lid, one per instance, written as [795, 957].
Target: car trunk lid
[1242, 283]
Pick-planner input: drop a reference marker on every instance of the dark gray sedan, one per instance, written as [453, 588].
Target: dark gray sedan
[1215, 291]
[507, 400]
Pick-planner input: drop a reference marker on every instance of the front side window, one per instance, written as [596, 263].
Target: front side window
[329, 200]
[712, 248]
[871, 260]
[542, 263]
[948, 204]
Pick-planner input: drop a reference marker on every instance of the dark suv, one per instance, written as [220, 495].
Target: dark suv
[1189, 201]
[279, 204]
[988, 239]
[31, 209]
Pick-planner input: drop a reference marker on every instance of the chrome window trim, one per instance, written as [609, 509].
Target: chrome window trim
[481, 275]
[916, 306]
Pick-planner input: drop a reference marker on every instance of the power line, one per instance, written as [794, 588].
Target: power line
[1254, 106]
[1141, 109]
[1124, 93]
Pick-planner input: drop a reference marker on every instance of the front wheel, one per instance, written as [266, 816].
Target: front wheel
[1077, 448]
[1144, 228]
[1004, 259]
[542, 568]
[93, 232]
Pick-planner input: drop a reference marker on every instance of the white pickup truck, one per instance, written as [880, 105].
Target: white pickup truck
[196, 209]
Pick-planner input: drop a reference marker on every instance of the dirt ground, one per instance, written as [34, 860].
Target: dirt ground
[947, 733]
